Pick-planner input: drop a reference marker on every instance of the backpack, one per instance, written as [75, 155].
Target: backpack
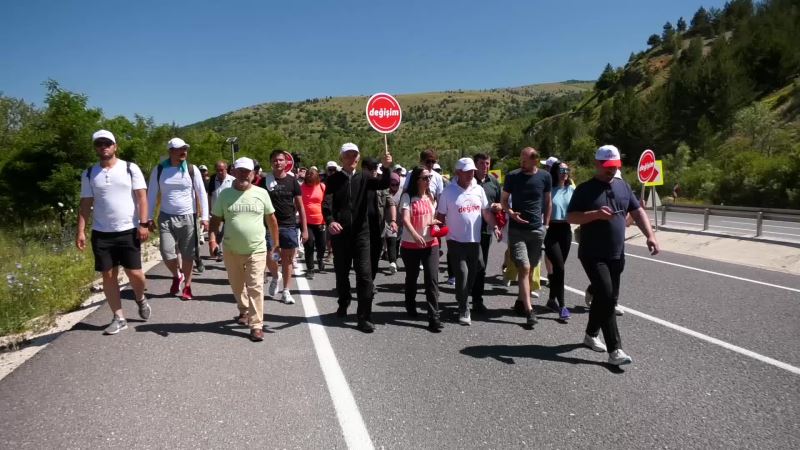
[89, 174]
[160, 169]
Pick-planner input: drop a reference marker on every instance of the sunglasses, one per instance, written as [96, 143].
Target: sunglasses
[102, 143]
[394, 184]
[427, 178]
[563, 170]
[430, 161]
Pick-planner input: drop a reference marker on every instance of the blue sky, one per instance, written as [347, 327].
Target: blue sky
[185, 61]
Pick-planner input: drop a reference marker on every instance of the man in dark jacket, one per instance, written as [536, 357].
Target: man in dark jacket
[345, 212]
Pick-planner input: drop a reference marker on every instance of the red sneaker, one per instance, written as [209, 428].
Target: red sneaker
[187, 293]
[176, 284]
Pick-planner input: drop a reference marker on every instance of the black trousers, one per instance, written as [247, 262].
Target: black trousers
[351, 250]
[375, 245]
[480, 276]
[429, 257]
[316, 240]
[604, 274]
[557, 244]
[391, 249]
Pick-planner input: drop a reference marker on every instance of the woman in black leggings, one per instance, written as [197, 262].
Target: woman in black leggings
[558, 239]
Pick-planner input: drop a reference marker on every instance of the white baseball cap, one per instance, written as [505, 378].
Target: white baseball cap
[550, 161]
[103, 134]
[349, 147]
[436, 166]
[609, 155]
[332, 164]
[177, 142]
[244, 163]
[202, 167]
[465, 165]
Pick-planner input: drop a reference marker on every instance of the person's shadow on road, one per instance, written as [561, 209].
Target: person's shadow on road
[506, 354]
[226, 327]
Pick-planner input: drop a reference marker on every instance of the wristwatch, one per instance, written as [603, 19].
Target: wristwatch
[144, 224]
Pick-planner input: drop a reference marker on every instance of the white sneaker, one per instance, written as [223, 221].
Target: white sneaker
[534, 294]
[618, 310]
[392, 268]
[287, 297]
[273, 286]
[594, 343]
[619, 358]
[464, 318]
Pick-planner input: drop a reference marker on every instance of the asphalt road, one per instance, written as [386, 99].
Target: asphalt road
[735, 226]
[189, 378]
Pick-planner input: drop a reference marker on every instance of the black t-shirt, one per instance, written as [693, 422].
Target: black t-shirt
[527, 196]
[600, 238]
[282, 192]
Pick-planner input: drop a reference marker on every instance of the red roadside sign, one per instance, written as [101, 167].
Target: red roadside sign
[646, 168]
[383, 113]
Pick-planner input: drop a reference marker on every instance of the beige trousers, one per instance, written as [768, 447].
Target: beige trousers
[246, 277]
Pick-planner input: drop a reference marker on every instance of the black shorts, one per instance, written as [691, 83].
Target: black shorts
[121, 248]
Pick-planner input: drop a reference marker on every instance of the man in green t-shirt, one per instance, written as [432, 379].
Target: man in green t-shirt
[245, 209]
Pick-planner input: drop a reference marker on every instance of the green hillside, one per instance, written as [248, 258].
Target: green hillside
[717, 99]
[453, 121]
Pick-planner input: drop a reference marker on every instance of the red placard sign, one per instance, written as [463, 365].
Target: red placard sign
[289, 162]
[646, 169]
[383, 113]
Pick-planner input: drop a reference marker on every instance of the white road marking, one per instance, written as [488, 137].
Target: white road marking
[748, 230]
[796, 228]
[714, 273]
[353, 428]
[743, 351]
[683, 266]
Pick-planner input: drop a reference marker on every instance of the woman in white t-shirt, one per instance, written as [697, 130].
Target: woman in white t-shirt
[418, 245]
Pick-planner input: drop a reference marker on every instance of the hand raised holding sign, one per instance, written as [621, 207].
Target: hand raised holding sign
[387, 160]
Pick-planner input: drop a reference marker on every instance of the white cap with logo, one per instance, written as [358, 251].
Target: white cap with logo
[465, 165]
[103, 134]
[244, 163]
[550, 161]
[176, 142]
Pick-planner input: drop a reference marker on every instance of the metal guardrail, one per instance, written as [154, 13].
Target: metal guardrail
[759, 214]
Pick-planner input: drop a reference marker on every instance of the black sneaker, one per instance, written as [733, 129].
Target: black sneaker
[366, 326]
[479, 308]
[341, 311]
[435, 325]
[519, 308]
[309, 274]
[531, 320]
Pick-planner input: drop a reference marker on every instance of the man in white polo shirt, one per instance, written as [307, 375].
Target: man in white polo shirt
[116, 190]
[462, 207]
[179, 188]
